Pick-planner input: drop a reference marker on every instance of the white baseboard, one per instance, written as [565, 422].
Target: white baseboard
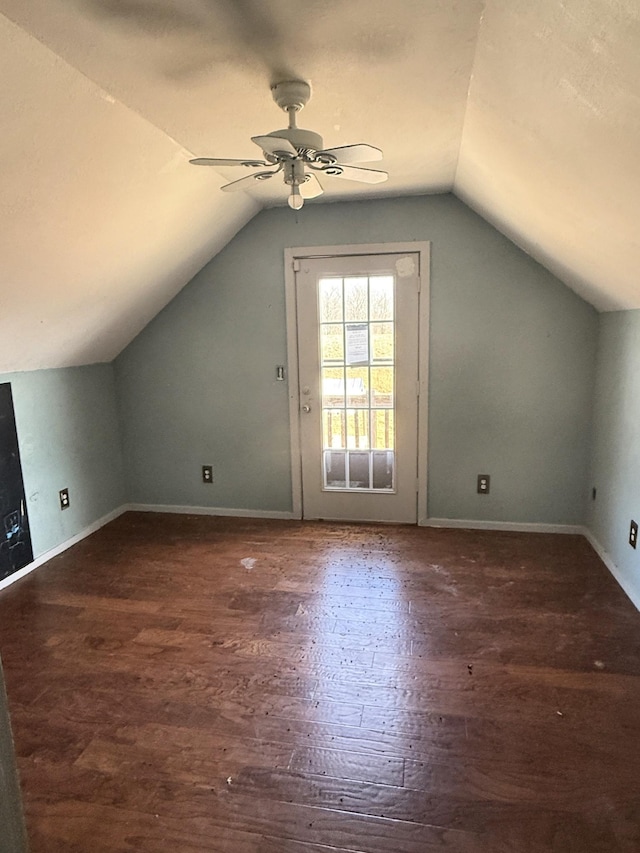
[212, 510]
[53, 552]
[514, 526]
[632, 593]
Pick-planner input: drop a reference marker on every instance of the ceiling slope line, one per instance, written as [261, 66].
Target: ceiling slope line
[466, 103]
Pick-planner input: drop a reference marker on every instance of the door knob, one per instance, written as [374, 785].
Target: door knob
[306, 409]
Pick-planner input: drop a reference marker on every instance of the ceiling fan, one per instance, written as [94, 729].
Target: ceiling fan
[299, 154]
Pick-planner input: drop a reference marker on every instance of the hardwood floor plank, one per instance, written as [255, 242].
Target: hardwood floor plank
[301, 822]
[197, 765]
[73, 827]
[355, 766]
[483, 811]
[456, 695]
[309, 651]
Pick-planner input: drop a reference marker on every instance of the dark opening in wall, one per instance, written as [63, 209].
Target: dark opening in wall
[15, 539]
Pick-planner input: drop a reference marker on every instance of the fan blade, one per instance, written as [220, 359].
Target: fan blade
[275, 145]
[360, 153]
[216, 161]
[311, 187]
[365, 176]
[245, 183]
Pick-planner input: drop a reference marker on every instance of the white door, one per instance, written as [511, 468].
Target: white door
[358, 336]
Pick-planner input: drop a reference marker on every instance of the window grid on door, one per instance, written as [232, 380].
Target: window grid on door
[357, 357]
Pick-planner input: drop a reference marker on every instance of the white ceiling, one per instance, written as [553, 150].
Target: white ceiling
[530, 112]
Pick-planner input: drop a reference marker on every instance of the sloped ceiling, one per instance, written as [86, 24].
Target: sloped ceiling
[530, 112]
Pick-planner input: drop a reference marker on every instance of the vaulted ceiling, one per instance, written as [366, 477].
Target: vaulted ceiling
[529, 112]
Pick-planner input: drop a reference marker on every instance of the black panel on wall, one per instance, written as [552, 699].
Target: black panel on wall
[15, 539]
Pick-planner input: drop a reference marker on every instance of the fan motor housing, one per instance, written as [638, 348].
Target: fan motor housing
[302, 140]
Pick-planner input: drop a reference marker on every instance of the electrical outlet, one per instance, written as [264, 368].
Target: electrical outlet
[207, 473]
[633, 534]
[484, 484]
[64, 498]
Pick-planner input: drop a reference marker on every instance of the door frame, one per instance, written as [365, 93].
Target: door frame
[291, 255]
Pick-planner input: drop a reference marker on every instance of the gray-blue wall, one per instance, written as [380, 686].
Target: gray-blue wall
[616, 445]
[511, 370]
[69, 436]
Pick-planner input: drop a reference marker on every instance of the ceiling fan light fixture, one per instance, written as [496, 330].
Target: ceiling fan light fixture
[295, 200]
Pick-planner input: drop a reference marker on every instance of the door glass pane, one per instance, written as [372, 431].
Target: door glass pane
[381, 297]
[381, 342]
[383, 429]
[382, 469]
[356, 299]
[332, 343]
[382, 386]
[357, 348]
[335, 470]
[334, 428]
[358, 387]
[333, 387]
[330, 300]
[359, 470]
[358, 428]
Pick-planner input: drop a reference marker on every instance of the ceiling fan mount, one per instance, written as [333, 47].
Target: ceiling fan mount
[291, 94]
[300, 154]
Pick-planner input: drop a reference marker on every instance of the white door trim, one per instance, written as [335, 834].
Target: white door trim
[298, 252]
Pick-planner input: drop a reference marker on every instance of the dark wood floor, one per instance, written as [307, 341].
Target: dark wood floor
[186, 684]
